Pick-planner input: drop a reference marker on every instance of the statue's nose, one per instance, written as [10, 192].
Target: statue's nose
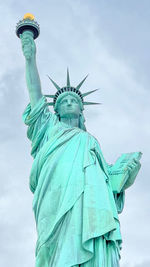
[69, 102]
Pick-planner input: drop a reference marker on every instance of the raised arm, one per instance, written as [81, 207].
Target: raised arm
[32, 76]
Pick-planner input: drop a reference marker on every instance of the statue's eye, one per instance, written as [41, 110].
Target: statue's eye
[64, 101]
[74, 101]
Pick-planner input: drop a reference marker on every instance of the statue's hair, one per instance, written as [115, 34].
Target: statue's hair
[81, 122]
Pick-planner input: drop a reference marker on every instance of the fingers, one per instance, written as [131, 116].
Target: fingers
[28, 45]
[28, 56]
[28, 34]
[134, 166]
[27, 53]
[136, 161]
[26, 38]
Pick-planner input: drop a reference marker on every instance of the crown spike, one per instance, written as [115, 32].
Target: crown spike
[55, 84]
[90, 92]
[51, 96]
[50, 103]
[80, 84]
[68, 78]
[91, 103]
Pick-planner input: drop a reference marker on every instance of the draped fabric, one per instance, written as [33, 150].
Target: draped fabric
[75, 210]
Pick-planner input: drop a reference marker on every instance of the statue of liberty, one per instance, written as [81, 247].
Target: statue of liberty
[77, 195]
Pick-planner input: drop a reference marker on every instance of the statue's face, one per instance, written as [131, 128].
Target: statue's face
[69, 107]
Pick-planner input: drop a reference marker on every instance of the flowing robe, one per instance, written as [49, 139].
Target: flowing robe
[75, 209]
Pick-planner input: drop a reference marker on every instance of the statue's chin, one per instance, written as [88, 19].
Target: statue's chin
[69, 116]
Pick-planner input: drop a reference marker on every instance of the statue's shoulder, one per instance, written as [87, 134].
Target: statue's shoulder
[94, 143]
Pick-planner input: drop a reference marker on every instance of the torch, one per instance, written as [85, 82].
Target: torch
[28, 24]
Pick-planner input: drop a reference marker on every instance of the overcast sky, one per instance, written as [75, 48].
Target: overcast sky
[110, 40]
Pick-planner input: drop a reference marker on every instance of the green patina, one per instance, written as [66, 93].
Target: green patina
[77, 195]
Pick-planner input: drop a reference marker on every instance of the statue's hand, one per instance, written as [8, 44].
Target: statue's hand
[28, 45]
[133, 169]
[134, 166]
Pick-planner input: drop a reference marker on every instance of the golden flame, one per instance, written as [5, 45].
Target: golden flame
[28, 16]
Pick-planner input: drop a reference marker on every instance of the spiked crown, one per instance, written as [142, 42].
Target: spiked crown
[72, 90]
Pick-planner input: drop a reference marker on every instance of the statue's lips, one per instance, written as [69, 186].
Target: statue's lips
[69, 107]
[70, 110]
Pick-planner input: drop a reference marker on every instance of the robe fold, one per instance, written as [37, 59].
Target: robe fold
[75, 209]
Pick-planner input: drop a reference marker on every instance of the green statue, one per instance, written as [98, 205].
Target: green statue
[77, 195]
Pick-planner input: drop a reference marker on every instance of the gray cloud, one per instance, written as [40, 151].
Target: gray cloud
[144, 264]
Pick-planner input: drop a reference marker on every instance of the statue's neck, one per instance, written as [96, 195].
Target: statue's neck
[72, 122]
